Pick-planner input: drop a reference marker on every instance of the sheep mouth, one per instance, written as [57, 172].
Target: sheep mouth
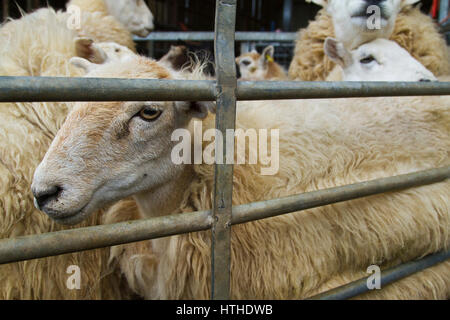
[142, 33]
[68, 218]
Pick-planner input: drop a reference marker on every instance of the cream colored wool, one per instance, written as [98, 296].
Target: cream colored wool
[39, 44]
[413, 30]
[98, 25]
[322, 144]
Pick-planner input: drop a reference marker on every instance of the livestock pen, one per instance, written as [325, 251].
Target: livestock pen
[225, 91]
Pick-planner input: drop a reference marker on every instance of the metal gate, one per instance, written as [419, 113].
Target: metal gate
[226, 91]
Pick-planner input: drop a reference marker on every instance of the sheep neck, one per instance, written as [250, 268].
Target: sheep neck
[166, 198]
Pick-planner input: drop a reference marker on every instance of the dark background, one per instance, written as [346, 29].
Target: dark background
[198, 15]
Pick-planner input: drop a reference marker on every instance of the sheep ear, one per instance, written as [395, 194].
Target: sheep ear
[83, 64]
[322, 3]
[87, 49]
[83, 47]
[197, 109]
[336, 51]
[267, 55]
[408, 2]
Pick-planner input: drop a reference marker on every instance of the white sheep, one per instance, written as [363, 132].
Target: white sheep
[360, 21]
[126, 150]
[41, 44]
[352, 22]
[254, 66]
[131, 15]
[370, 61]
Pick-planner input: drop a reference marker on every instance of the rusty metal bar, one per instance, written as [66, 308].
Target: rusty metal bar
[61, 242]
[388, 276]
[223, 177]
[28, 89]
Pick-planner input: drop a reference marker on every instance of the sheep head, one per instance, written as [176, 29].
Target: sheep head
[254, 66]
[90, 54]
[360, 21]
[379, 60]
[133, 14]
[106, 151]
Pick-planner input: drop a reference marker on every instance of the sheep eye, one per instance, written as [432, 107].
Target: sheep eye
[149, 113]
[245, 62]
[367, 60]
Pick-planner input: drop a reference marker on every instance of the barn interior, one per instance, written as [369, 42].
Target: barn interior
[198, 15]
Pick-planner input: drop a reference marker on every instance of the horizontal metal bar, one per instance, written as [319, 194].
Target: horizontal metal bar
[209, 36]
[28, 89]
[61, 242]
[308, 200]
[266, 90]
[388, 276]
[49, 89]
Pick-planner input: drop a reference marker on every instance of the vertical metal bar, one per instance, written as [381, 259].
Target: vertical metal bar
[5, 9]
[225, 119]
[443, 10]
[29, 6]
[151, 49]
[287, 15]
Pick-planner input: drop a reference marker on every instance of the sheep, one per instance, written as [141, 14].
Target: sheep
[40, 44]
[322, 144]
[255, 66]
[176, 58]
[371, 60]
[113, 20]
[98, 53]
[413, 30]
[180, 58]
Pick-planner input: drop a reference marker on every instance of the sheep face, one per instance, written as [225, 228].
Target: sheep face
[114, 51]
[93, 53]
[379, 60]
[359, 21]
[133, 14]
[107, 151]
[254, 66]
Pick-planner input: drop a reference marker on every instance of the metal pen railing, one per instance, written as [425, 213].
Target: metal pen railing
[52, 89]
[225, 91]
[61, 242]
[209, 36]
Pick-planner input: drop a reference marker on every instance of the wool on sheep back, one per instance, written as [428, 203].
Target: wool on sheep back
[322, 144]
[99, 25]
[39, 44]
[413, 30]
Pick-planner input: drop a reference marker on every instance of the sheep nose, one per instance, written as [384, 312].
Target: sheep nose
[425, 80]
[43, 197]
